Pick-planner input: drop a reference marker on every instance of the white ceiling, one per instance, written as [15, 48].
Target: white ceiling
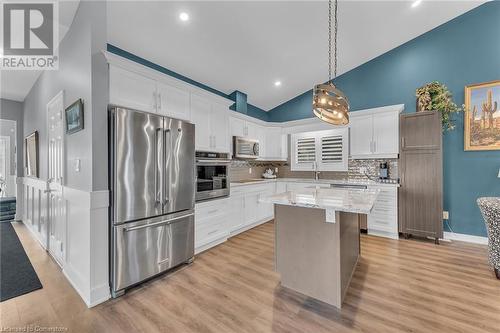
[247, 46]
[15, 85]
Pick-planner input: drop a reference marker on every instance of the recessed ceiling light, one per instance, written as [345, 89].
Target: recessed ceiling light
[184, 16]
[416, 3]
[277, 83]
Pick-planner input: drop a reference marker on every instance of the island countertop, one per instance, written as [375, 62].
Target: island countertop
[339, 199]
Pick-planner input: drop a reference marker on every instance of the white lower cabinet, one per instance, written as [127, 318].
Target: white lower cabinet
[211, 223]
[383, 220]
[216, 220]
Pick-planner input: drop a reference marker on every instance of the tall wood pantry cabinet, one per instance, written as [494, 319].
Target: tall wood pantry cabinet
[421, 173]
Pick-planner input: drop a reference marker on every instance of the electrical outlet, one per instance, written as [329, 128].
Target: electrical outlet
[446, 215]
[275, 170]
[250, 170]
[362, 170]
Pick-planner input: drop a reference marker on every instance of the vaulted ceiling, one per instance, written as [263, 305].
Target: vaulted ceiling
[248, 46]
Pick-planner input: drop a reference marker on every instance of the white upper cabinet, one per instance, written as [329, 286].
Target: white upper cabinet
[132, 90]
[375, 133]
[386, 133]
[200, 115]
[219, 125]
[320, 150]
[211, 121]
[237, 127]
[244, 128]
[173, 101]
[361, 137]
[275, 144]
[272, 140]
[253, 131]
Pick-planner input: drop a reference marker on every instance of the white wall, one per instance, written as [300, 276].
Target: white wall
[82, 74]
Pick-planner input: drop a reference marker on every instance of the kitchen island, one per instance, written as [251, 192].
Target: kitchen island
[317, 239]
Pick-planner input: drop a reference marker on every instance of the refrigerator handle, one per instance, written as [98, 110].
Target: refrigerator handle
[167, 150]
[158, 167]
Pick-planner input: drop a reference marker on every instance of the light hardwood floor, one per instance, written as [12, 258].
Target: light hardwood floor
[399, 286]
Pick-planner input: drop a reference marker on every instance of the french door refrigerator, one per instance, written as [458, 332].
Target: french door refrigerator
[152, 186]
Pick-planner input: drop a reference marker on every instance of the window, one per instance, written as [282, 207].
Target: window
[320, 150]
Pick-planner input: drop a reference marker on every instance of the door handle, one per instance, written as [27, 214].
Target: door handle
[163, 261]
[166, 192]
[157, 168]
[151, 225]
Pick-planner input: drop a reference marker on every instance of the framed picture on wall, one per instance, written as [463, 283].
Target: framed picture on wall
[482, 116]
[31, 155]
[74, 117]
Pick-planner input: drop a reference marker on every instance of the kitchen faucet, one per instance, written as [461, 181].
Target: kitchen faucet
[316, 172]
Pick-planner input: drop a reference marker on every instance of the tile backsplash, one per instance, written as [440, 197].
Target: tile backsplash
[254, 169]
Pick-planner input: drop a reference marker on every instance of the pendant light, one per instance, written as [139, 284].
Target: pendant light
[329, 103]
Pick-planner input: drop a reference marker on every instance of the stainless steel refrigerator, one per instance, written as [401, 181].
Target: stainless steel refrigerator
[152, 186]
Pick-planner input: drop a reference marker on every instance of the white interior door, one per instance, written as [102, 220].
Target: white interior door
[56, 205]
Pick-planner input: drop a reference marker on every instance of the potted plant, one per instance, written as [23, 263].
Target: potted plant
[435, 96]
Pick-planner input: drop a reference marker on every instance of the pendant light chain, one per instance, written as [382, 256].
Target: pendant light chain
[329, 103]
[329, 40]
[335, 39]
[335, 29]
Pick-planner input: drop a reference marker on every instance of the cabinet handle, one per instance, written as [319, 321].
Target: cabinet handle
[159, 101]
[212, 232]
[155, 101]
[212, 211]
[374, 146]
[403, 142]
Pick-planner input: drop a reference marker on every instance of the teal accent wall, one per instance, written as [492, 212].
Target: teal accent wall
[463, 51]
[238, 97]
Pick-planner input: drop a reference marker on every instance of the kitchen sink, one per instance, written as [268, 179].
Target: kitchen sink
[249, 180]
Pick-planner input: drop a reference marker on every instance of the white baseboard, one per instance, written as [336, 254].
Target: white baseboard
[77, 282]
[99, 294]
[465, 238]
[250, 226]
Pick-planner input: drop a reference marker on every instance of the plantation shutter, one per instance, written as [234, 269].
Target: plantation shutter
[306, 150]
[332, 149]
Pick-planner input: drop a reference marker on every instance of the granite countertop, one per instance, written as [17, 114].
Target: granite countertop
[339, 199]
[313, 181]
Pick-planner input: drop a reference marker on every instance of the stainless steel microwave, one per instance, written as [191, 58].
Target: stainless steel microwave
[244, 148]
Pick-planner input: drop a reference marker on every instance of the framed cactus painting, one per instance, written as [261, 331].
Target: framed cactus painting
[482, 116]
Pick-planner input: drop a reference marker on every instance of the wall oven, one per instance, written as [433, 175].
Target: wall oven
[212, 178]
[245, 148]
